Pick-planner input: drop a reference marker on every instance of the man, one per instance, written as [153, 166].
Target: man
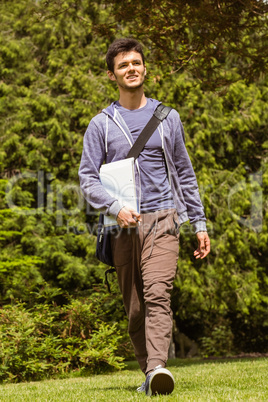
[145, 252]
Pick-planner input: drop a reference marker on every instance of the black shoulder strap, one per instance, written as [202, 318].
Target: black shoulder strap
[160, 113]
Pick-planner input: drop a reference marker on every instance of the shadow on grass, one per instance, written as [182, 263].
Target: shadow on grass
[133, 365]
[125, 388]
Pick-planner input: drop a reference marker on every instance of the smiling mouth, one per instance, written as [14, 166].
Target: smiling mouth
[131, 77]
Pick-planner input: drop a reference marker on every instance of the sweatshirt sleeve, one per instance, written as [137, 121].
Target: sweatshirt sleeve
[187, 180]
[93, 156]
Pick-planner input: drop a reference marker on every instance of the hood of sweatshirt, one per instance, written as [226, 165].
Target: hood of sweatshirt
[111, 109]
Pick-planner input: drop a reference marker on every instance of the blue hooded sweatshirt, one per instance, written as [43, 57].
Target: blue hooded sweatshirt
[108, 139]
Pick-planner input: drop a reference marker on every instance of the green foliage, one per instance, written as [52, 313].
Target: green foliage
[101, 348]
[225, 137]
[48, 340]
[214, 41]
[49, 91]
[52, 83]
[219, 343]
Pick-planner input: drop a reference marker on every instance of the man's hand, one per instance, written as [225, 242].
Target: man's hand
[128, 218]
[203, 245]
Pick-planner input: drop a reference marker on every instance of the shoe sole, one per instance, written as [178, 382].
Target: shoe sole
[161, 384]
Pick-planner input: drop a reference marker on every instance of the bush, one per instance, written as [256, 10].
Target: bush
[49, 340]
[219, 343]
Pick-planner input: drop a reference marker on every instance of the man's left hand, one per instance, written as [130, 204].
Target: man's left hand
[203, 245]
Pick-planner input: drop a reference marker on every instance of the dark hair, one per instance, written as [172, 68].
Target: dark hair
[123, 45]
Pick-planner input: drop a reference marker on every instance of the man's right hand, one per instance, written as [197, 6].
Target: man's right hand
[128, 218]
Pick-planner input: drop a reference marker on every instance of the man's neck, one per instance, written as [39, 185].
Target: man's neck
[132, 100]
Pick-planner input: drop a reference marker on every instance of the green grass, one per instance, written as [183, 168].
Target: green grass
[196, 380]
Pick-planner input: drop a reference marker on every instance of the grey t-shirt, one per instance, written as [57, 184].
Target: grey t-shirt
[155, 189]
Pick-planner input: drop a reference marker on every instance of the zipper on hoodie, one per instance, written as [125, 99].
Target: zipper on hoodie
[117, 122]
[131, 144]
[164, 152]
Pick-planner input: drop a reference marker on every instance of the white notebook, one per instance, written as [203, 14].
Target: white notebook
[118, 179]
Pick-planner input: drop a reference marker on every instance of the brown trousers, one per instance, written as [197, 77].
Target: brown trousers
[145, 259]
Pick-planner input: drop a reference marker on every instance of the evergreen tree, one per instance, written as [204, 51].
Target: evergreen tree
[53, 82]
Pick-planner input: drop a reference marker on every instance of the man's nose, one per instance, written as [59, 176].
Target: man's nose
[131, 66]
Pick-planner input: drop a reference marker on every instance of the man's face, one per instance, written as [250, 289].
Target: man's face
[129, 70]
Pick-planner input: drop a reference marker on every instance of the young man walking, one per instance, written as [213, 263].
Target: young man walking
[145, 253]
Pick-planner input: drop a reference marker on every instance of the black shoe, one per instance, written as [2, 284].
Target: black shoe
[159, 381]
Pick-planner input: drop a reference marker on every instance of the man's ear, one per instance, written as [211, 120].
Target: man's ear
[111, 75]
[145, 71]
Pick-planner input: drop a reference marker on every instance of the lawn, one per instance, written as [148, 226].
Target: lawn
[196, 380]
